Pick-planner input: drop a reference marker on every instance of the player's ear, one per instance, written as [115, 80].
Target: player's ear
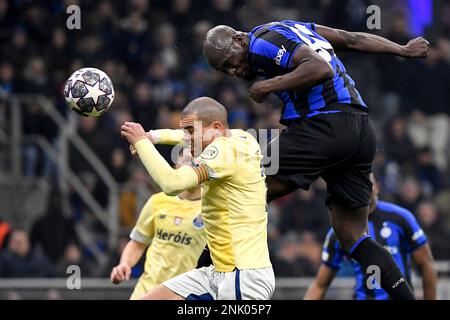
[217, 125]
[239, 38]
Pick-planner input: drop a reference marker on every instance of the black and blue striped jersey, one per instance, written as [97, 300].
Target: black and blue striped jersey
[271, 49]
[393, 227]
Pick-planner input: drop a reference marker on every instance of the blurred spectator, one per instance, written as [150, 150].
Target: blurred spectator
[73, 256]
[165, 39]
[53, 232]
[297, 255]
[399, 146]
[6, 77]
[254, 13]
[20, 261]
[305, 211]
[427, 173]
[431, 222]
[410, 194]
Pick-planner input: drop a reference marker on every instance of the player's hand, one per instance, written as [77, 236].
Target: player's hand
[133, 150]
[258, 91]
[119, 273]
[417, 48]
[133, 132]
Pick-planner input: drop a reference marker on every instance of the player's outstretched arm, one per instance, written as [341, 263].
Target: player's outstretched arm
[319, 286]
[309, 69]
[423, 259]
[171, 181]
[163, 136]
[371, 43]
[130, 256]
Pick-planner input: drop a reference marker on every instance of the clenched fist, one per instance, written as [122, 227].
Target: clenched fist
[416, 48]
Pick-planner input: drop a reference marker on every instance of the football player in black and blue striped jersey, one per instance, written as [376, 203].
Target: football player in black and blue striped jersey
[328, 133]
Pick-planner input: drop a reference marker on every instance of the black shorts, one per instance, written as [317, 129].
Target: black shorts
[338, 147]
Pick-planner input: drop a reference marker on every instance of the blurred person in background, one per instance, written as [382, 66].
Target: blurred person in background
[171, 230]
[305, 211]
[427, 173]
[399, 146]
[19, 260]
[396, 229]
[53, 232]
[296, 255]
[434, 226]
[73, 257]
[410, 194]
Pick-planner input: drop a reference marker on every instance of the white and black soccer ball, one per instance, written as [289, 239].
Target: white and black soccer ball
[89, 92]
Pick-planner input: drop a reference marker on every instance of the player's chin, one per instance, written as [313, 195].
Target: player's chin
[249, 76]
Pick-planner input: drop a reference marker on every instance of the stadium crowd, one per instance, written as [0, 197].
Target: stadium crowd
[151, 49]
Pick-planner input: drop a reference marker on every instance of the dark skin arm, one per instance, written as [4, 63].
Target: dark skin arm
[423, 259]
[310, 69]
[319, 286]
[342, 40]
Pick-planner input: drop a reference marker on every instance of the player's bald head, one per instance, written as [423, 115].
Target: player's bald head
[206, 110]
[217, 42]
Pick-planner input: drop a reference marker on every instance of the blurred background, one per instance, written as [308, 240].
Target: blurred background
[70, 192]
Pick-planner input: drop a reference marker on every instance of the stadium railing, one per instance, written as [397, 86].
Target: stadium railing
[108, 217]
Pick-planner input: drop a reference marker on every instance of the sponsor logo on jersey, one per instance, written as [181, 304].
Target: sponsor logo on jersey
[198, 222]
[182, 238]
[280, 55]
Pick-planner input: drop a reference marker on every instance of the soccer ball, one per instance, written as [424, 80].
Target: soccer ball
[89, 92]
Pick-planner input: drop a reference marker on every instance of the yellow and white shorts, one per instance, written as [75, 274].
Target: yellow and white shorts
[207, 284]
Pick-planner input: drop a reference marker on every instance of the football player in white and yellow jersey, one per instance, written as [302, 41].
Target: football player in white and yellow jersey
[233, 205]
[173, 230]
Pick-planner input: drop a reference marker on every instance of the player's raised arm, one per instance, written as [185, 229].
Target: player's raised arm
[371, 43]
[166, 136]
[309, 69]
[172, 181]
[319, 286]
[130, 256]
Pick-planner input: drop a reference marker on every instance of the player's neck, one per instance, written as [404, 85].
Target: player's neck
[192, 195]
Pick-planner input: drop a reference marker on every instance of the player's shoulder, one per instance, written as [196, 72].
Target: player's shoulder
[277, 26]
[331, 238]
[241, 135]
[395, 212]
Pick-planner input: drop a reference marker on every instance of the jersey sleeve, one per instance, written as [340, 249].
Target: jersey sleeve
[144, 230]
[414, 235]
[217, 161]
[278, 45]
[332, 252]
